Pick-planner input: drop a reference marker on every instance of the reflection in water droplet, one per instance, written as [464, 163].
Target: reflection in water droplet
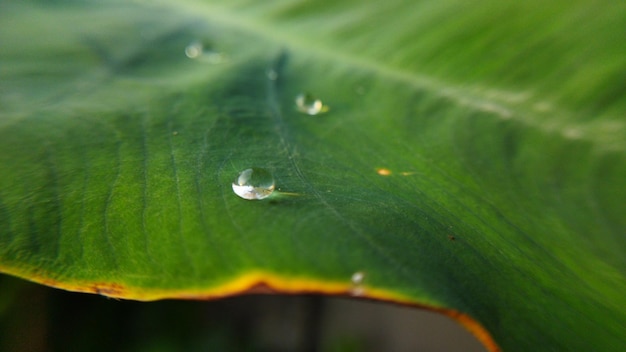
[254, 183]
[357, 283]
[308, 104]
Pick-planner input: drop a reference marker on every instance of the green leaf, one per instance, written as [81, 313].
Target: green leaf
[472, 158]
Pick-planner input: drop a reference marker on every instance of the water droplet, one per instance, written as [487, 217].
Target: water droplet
[272, 75]
[309, 104]
[357, 283]
[254, 183]
[194, 50]
[357, 278]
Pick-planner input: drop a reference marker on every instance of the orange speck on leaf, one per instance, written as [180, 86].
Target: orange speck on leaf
[383, 172]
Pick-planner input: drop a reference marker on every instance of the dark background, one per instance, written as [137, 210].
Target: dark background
[38, 318]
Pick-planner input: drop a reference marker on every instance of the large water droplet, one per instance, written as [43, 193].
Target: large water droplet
[254, 183]
[309, 104]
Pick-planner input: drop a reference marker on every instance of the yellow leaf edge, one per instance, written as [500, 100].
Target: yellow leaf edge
[261, 282]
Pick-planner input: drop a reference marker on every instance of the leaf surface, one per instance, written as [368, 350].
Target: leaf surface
[472, 158]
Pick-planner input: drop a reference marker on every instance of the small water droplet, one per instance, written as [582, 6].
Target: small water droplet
[358, 277]
[309, 104]
[272, 75]
[357, 283]
[194, 50]
[197, 51]
[254, 183]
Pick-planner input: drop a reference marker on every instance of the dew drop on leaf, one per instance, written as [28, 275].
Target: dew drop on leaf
[272, 75]
[254, 184]
[357, 278]
[357, 283]
[309, 104]
[196, 50]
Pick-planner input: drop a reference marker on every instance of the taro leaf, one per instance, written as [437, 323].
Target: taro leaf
[472, 158]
